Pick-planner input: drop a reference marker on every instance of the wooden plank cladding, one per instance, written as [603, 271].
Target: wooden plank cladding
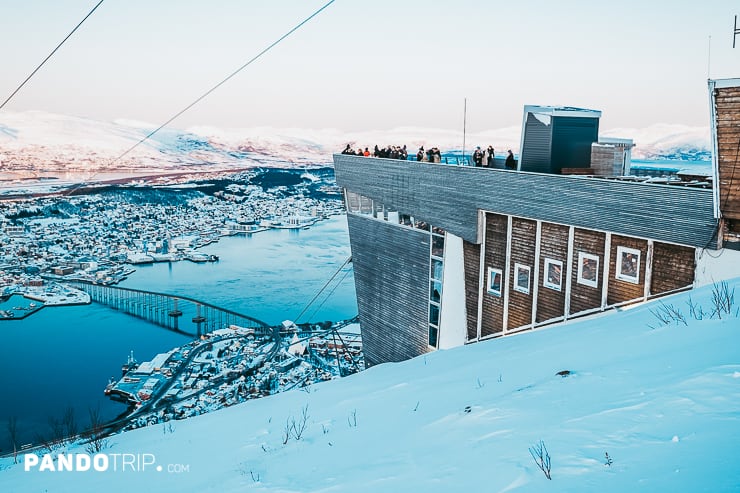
[450, 197]
[492, 313]
[391, 269]
[521, 273]
[586, 270]
[727, 111]
[673, 267]
[553, 265]
[471, 258]
[627, 260]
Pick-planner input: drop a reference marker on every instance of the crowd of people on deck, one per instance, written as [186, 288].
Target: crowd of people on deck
[432, 155]
[388, 152]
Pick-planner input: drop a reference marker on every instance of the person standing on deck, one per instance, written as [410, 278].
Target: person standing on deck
[510, 163]
[478, 157]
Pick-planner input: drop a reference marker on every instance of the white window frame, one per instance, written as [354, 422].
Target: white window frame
[581, 280]
[521, 267]
[490, 291]
[545, 279]
[618, 274]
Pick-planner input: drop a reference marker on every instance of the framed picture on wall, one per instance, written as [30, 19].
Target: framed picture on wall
[521, 278]
[553, 274]
[628, 265]
[588, 269]
[494, 282]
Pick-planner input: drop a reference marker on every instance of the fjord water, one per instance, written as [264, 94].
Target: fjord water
[64, 356]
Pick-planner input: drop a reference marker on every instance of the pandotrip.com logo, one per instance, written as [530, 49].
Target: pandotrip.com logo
[99, 463]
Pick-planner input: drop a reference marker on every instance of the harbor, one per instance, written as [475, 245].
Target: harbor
[24, 301]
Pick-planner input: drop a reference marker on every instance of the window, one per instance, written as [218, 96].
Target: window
[366, 206]
[436, 270]
[436, 256]
[353, 201]
[494, 281]
[378, 212]
[435, 291]
[438, 246]
[433, 314]
[521, 278]
[553, 274]
[433, 336]
[588, 269]
[628, 265]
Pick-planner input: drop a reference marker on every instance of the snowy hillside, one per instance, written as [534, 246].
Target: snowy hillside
[667, 141]
[36, 141]
[662, 402]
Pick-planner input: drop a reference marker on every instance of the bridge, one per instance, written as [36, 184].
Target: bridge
[179, 313]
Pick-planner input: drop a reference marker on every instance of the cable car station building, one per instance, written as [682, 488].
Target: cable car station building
[447, 255]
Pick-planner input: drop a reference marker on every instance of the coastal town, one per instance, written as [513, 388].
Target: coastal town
[99, 235]
[232, 365]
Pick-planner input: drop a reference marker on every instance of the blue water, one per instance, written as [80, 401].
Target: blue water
[270, 275]
[64, 356]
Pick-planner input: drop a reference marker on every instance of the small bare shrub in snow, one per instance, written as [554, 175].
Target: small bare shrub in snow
[96, 440]
[352, 419]
[167, 428]
[609, 460]
[723, 299]
[695, 310]
[541, 457]
[294, 428]
[667, 314]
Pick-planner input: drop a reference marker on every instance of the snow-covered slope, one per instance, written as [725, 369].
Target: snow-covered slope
[36, 141]
[663, 402]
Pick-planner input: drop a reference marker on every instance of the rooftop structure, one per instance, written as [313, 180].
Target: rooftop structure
[554, 138]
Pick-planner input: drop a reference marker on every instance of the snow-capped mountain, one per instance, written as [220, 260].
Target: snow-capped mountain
[668, 141]
[35, 141]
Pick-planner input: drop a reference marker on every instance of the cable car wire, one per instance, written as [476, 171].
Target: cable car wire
[50, 55]
[235, 72]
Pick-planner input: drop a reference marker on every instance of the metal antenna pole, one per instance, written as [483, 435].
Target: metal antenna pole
[734, 35]
[709, 56]
[465, 120]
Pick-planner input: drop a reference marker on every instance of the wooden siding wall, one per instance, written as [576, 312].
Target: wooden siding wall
[451, 196]
[673, 267]
[619, 290]
[471, 254]
[727, 107]
[584, 297]
[492, 321]
[523, 237]
[554, 245]
[391, 269]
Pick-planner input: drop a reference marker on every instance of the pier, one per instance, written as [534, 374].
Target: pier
[179, 313]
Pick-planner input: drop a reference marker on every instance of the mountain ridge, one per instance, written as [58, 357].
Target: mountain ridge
[35, 139]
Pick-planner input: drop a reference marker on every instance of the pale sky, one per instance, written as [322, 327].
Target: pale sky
[369, 65]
